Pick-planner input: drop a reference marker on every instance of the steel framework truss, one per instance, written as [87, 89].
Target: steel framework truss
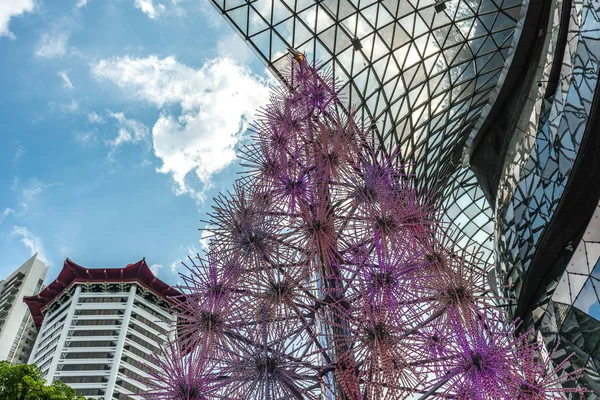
[423, 69]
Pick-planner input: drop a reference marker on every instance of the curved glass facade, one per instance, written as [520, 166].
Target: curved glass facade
[541, 157]
[427, 71]
[423, 69]
[546, 143]
[571, 312]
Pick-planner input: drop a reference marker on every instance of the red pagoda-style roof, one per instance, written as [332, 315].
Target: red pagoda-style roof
[72, 273]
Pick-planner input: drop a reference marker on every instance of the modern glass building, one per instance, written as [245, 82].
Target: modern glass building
[99, 327]
[494, 104]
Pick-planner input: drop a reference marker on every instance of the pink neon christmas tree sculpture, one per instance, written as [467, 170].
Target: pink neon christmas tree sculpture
[329, 277]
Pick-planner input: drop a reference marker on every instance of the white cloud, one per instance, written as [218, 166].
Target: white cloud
[205, 238]
[155, 268]
[190, 250]
[12, 8]
[145, 163]
[174, 265]
[52, 45]
[20, 152]
[86, 138]
[130, 131]
[81, 3]
[70, 107]
[233, 46]
[216, 102]
[7, 211]
[66, 80]
[32, 242]
[30, 191]
[148, 8]
[63, 108]
[95, 118]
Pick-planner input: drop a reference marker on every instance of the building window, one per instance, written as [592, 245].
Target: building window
[85, 367]
[83, 379]
[92, 343]
[99, 312]
[78, 356]
[96, 333]
[97, 322]
[89, 392]
[103, 299]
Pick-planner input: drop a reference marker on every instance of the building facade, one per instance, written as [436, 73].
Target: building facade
[99, 327]
[17, 330]
[496, 103]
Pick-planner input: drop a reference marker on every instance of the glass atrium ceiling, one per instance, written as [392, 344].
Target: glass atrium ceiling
[424, 70]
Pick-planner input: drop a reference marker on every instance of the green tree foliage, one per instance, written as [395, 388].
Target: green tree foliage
[25, 382]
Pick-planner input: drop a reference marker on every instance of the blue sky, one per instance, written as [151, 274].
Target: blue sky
[119, 121]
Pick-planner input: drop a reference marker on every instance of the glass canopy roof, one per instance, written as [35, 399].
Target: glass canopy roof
[423, 69]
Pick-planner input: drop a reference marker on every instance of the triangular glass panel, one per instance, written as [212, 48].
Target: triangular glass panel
[239, 17]
[431, 46]
[482, 60]
[303, 4]
[345, 9]
[435, 83]
[428, 15]
[404, 9]
[413, 57]
[322, 54]
[309, 17]
[420, 27]
[489, 6]
[496, 62]
[475, 44]
[301, 33]
[285, 29]
[487, 22]
[465, 28]
[358, 63]
[263, 42]
[503, 38]
[380, 66]
[420, 44]
[278, 46]
[576, 283]
[383, 17]
[429, 64]
[291, 4]
[401, 37]
[439, 20]
[441, 35]
[324, 21]
[280, 12]
[395, 108]
[454, 37]
[363, 26]
[465, 91]
[229, 4]
[307, 48]
[408, 23]
[389, 89]
[464, 11]
[513, 13]
[380, 48]
[257, 23]
[503, 22]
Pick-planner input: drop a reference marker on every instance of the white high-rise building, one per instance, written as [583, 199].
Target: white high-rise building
[17, 331]
[99, 327]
